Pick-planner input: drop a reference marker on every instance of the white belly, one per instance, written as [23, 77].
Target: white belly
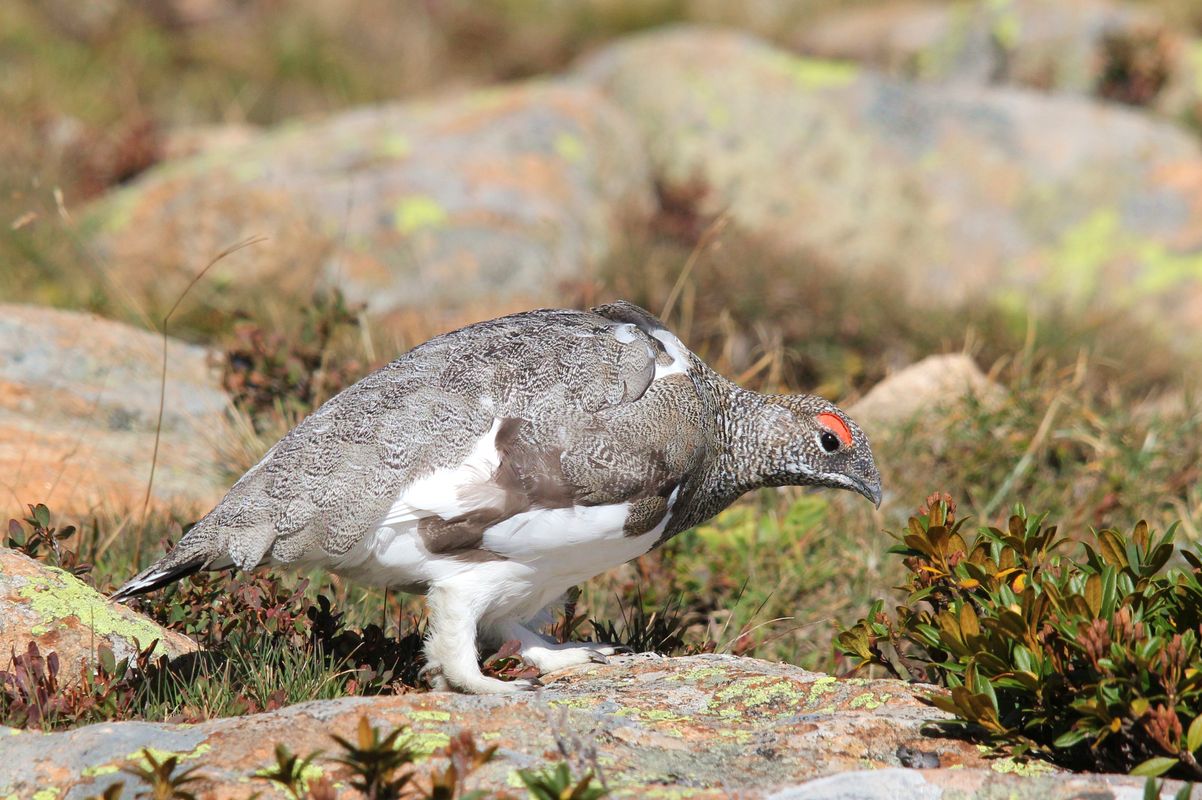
[541, 553]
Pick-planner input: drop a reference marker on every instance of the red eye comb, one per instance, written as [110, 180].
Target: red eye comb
[836, 425]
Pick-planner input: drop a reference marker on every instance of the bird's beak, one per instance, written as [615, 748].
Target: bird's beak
[870, 488]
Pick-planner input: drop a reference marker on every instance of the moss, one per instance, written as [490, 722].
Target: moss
[418, 212]
[57, 596]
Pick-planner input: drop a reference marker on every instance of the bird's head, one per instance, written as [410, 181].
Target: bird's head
[809, 441]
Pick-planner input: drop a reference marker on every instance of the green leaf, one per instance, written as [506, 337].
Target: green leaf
[1193, 738]
[1155, 767]
[1070, 738]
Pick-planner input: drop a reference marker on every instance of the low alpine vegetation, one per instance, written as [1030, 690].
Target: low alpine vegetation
[1080, 650]
[378, 765]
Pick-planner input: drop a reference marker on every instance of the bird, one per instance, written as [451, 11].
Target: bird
[495, 467]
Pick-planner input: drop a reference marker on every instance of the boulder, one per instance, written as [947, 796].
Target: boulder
[934, 382]
[965, 191]
[62, 614]
[1064, 46]
[79, 404]
[492, 195]
[699, 727]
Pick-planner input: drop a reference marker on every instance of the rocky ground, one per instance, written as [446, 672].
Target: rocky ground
[1019, 158]
[699, 727]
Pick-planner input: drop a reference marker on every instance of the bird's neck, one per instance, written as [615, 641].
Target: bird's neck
[748, 452]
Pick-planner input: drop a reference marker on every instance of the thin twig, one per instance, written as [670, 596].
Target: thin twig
[707, 236]
[158, 428]
[1024, 464]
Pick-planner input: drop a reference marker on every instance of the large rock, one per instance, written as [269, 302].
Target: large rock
[935, 382]
[62, 614]
[700, 727]
[966, 191]
[1124, 52]
[79, 403]
[1064, 45]
[493, 195]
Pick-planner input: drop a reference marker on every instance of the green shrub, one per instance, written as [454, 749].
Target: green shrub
[1084, 652]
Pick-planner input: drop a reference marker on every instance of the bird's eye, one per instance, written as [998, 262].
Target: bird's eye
[829, 441]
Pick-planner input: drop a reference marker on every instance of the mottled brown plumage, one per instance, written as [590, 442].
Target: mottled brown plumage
[511, 459]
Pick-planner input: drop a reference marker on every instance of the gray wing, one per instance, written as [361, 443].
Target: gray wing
[584, 421]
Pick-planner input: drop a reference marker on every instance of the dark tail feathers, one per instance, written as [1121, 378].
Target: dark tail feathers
[158, 575]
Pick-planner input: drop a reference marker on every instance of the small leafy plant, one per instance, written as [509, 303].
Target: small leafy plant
[34, 695]
[1085, 653]
[163, 779]
[266, 371]
[558, 783]
[37, 538]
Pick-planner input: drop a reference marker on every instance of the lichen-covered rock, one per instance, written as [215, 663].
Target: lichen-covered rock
[1004, 780]
[491, 195]
[934, 382]
[1064, 45]
[62, 614]
[699, 727]
[79, 403]
[965, 190]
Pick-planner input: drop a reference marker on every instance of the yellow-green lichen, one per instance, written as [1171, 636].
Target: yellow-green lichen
[1027, 769]
[869, 701]
[248, 170]
[659, 715]
[752, 692]
[430, 716]
[699, 674]
[819, 73]
[821, 686]
[394, 145]
[1077, 260]
[426, 743]
[573, 702]
[569, 147]
[1006, 27]
[418, 212]
[48, 793]
[668, 792]
[739, 735]
[139, 757]
[99, 769]
[56, 597]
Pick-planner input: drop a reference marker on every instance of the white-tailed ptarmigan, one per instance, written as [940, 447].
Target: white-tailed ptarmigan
[495, 467]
